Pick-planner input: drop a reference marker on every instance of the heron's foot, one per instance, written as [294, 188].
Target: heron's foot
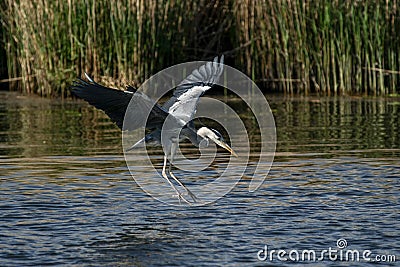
[189, 193]
[182, 198]
[193, 196]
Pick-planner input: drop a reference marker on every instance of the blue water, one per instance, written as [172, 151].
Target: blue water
[67, 197]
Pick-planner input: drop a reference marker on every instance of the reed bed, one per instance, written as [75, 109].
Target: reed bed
[329, 47]
[291, 46]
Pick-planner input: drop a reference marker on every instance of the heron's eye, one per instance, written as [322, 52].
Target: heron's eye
[203, 143]
[217, 134]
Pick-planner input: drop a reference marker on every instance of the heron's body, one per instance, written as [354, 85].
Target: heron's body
[169, 123]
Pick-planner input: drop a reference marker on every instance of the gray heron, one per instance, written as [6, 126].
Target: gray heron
[169, 123]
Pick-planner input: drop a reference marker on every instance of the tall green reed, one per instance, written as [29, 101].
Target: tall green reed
[327, 47]
[49, 43]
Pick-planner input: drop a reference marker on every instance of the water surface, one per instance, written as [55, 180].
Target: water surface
[67, 197]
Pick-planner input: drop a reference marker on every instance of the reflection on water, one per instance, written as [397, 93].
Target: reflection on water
[346, 126]
[34, 127]
[66, 196]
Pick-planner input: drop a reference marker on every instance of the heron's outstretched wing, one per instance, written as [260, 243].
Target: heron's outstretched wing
[186, 95]
[143, 111]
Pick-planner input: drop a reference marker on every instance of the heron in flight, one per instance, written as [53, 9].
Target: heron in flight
[168, 124]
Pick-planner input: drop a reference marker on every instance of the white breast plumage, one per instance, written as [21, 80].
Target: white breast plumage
[190, 95]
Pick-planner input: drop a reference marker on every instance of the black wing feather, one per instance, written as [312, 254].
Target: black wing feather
[116, 102]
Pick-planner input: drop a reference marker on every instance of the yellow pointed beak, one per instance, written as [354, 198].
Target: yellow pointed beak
[225, 145]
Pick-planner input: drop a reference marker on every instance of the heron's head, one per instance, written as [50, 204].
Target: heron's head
[213, 135]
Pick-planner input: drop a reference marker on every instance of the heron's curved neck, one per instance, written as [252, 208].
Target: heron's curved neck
[191, 133]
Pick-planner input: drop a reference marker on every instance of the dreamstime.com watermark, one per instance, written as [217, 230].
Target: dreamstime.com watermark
[338, 253]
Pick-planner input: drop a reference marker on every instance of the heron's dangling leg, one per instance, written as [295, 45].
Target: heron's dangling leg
[164, 174]
[193, 196]
[173, 150]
